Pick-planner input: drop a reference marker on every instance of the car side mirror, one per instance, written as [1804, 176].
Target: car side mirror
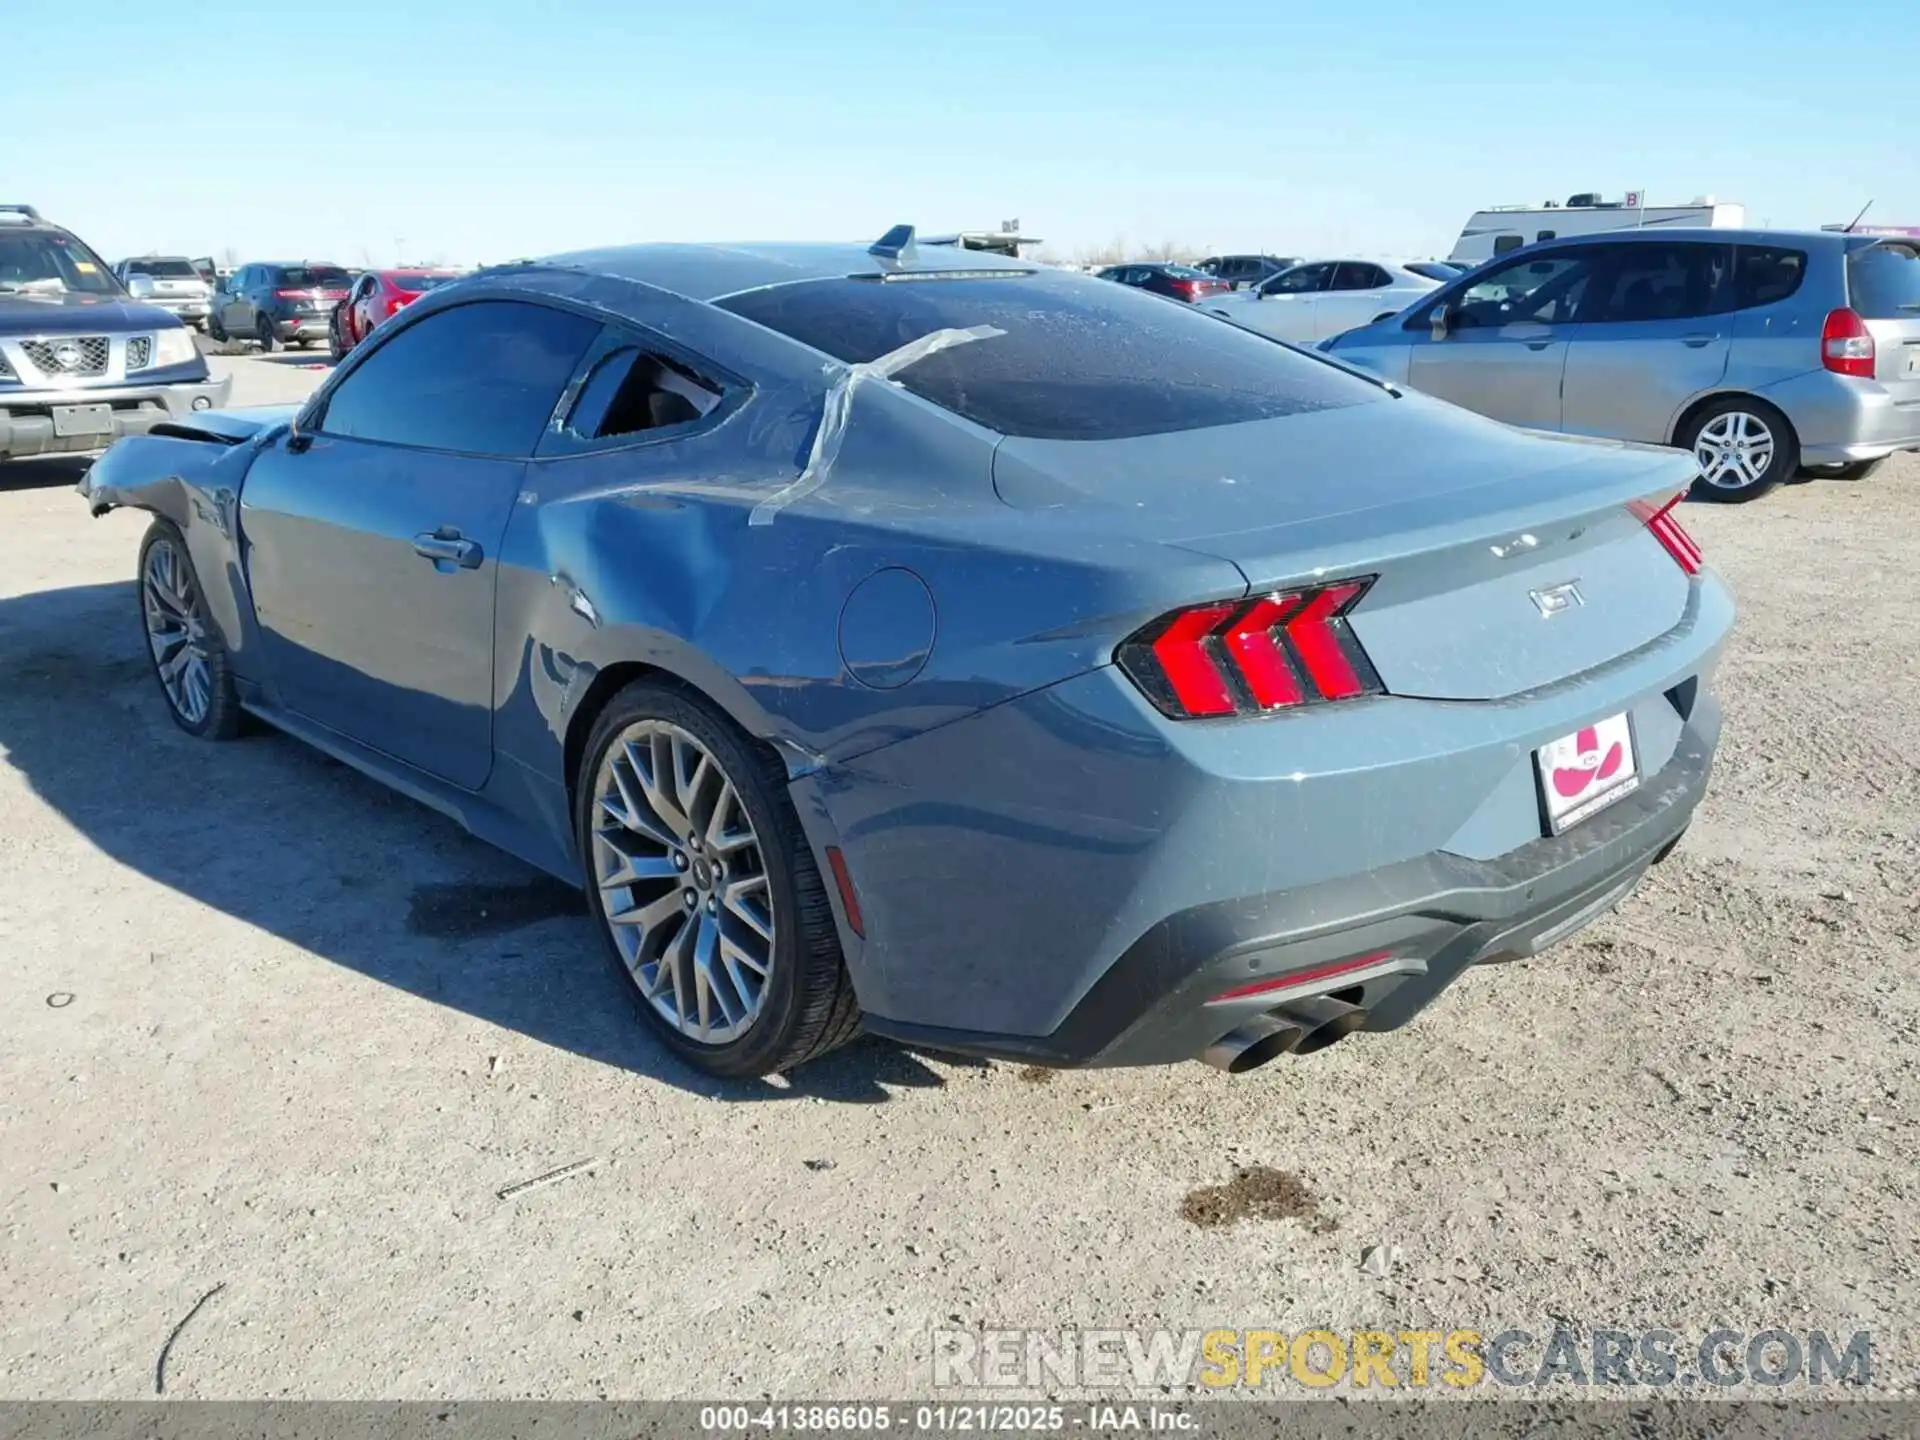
[1441, 320]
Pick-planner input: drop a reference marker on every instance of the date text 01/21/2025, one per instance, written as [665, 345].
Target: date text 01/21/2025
[943, 1418]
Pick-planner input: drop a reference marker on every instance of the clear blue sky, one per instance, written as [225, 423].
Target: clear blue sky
[487, 129]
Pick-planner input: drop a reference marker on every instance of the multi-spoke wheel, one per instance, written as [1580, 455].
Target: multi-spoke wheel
[682, 882]
[1743, 448]
[189, 658]
[706, 890]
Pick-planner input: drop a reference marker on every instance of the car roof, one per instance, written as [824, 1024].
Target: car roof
[710, 272]
[1713, 235]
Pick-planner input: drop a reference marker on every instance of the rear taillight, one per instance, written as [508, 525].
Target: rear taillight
[292, 294]
[1668, 530]
[1188, 289]
[1248, 657]
[1846, 345]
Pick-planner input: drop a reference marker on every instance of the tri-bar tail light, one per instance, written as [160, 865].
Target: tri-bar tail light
[1254, 655]
[1668, 530]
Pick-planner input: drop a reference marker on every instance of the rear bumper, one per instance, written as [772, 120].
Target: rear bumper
[1069, 877]
[184, 309]
[301, 327]
[1427, 919]
[1840, 419]
[27, 423]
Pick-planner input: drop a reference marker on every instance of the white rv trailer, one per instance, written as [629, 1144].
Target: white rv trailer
[1508, 227]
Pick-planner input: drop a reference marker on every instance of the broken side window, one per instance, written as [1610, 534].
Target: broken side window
[633, 390]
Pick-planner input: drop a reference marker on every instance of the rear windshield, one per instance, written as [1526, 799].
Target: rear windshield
[163, 269]
[1883, 281]
[305, 277]
[1080, 360]
[413, 280]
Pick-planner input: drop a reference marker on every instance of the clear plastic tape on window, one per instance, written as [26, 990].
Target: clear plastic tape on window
[839, 404]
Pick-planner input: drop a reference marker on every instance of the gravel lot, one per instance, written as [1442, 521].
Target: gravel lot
[269, 1027]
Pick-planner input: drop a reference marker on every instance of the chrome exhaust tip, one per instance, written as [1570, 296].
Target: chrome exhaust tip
[1251, 1045]
[1299, 1028]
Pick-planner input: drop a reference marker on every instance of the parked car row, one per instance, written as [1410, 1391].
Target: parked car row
[84, 357]
[1760, 351]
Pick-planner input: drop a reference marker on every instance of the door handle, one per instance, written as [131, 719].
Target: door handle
[1694, 342]
[447, 546]
[1538, 344]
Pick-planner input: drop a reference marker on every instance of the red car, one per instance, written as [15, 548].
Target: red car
[376, 296]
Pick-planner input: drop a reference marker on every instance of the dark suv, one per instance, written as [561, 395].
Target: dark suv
[1245, 271]
[278, 302]
[81, 361]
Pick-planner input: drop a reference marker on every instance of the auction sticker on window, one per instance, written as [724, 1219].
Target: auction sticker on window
[1583, 773]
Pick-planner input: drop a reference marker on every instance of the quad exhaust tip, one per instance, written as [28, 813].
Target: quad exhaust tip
[1299, 1028]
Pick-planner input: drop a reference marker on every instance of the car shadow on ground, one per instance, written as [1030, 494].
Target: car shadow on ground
[47, 472]
[279, 836]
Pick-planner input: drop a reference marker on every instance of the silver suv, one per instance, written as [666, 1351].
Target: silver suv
[1761, 351]
[169, 281]
[81, 361]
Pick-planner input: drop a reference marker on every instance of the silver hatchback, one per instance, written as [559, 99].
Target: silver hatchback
[1760, 351]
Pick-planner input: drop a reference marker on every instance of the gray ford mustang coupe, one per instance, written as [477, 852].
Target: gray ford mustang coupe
[994, 658]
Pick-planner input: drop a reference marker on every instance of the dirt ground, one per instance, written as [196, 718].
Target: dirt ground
[270, 1028]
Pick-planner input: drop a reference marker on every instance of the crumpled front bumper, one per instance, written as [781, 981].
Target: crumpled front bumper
[28, 427]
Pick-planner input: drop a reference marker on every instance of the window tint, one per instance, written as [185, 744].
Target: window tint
[163, 269]
[481, 378]
[1300, 280]
[1352, 275]
[632, 390]
[305, 277]
[1539, 290]
[1669, 281]
[1766, 274]
[1883, 281]
[1076, 361]
[1503, 243]
[1433, 269]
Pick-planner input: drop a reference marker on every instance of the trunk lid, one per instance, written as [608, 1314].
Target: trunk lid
[1507, 560]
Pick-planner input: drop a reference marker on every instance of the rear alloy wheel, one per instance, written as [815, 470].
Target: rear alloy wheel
[1743, 449]
[263, 332]
[189, 659]
[706, 890]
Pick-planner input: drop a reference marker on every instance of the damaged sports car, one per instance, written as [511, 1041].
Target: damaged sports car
[924, 641]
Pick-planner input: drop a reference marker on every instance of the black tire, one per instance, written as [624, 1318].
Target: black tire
[263, 333]
[808, 1006]
[216, 332]
[1783, 463]
[221, 719]
[336, 352]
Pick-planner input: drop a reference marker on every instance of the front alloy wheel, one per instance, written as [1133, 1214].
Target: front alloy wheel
[682, 882]
[189, 658]
[175, 633]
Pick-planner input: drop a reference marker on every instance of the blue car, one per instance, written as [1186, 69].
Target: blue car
[983, 655]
